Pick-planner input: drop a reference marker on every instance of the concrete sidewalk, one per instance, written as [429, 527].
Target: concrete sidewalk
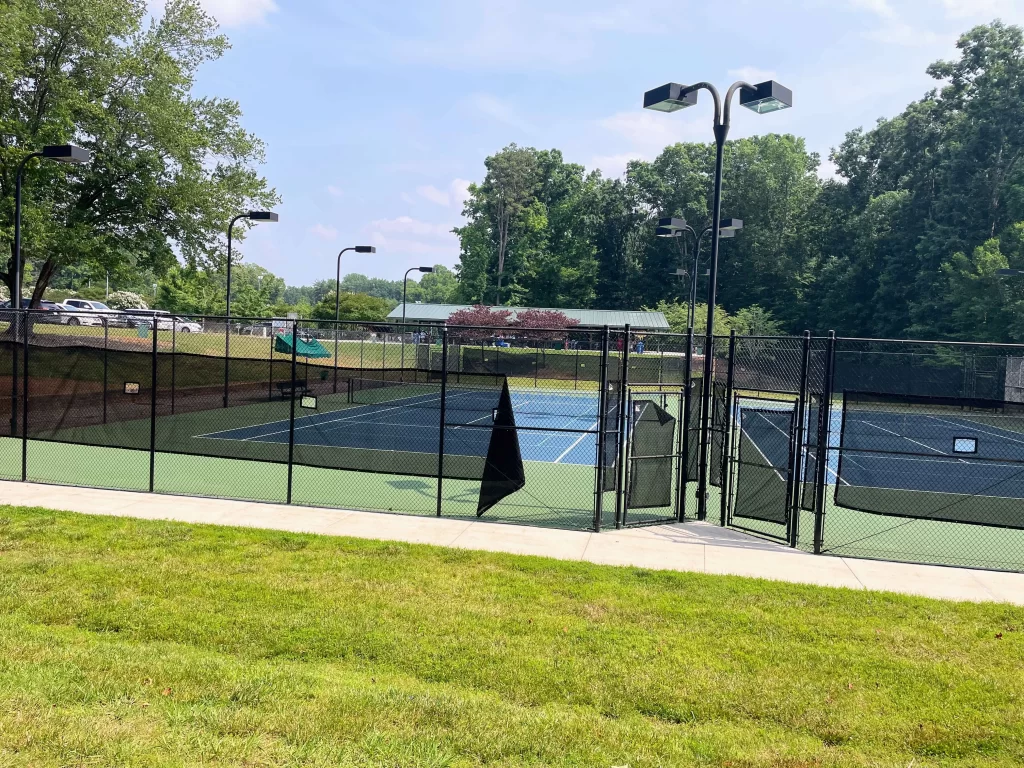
[696, 547]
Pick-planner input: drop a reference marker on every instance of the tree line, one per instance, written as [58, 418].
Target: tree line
[907, 240]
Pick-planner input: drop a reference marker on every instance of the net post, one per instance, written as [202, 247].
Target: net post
[602, 415]
[536, 363]
[106, 338]
[152, 411]
[227, 356]
[798, 446]
[576, 369]
[291, 413]
[26, 322]
[620, 498]
[824, 438]
[682, 473]
[440, 436]
[726, 488]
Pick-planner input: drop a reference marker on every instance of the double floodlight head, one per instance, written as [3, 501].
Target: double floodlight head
[268, 217]
[679, 272]
[729, 227]
[67, 153]
[768, 96]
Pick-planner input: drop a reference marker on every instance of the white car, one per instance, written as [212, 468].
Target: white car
[98, 309]
[164, 320]
[72, 315]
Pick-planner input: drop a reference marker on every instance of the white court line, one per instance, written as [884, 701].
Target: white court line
[979, 431]
[894, 457]
[578, 441]
[904, 437]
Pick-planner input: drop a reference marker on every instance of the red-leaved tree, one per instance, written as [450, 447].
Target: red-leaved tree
[479, 315]
[542, 324]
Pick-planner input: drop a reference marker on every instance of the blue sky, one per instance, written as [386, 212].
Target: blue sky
[377, 115]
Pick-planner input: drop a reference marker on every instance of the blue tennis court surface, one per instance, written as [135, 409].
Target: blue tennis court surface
[915, 451]
[412, 424]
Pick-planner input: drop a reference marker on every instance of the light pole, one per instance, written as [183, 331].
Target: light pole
[405, 288]
[337, 300]
[676, 228]
[65, 153]
[762, 98]
[255, 216]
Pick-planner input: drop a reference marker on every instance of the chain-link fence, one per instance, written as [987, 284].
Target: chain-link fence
[891, 449]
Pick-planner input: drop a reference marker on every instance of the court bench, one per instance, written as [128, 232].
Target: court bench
[290, 388]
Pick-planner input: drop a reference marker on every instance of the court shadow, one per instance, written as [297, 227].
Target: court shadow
[417, 486]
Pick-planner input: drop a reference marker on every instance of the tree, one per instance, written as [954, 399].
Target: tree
[542, 324]
[676, 314]
[352, 306]
[126, 300]
[169, 167]
[755, 321]
[482, 319]
[437, 287]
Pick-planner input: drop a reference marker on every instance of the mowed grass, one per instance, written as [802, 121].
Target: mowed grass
[126, 642]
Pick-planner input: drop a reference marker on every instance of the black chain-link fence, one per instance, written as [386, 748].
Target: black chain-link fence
[871, 448]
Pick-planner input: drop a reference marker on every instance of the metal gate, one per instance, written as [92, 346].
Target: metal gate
[764, 466]
[653, 454]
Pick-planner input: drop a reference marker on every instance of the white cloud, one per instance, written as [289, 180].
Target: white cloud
[434, 195]
[880, 8]
[230, 13]
[828, 170]
[753, 75]
[499, 110]
[334, 191]
[459, 192]
[323, 231]
[613, 166]
[411, 226]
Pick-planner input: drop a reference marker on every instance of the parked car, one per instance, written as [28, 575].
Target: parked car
[73, 316]
[52, 312]
[98, 308]
[163, 319]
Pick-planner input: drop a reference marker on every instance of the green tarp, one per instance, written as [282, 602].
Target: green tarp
[306, 347]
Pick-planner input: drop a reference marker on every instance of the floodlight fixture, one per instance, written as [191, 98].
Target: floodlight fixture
[765, 97]
[67, 153]
[365, 249]
[268, 217]
[670, 97]
[731, 225]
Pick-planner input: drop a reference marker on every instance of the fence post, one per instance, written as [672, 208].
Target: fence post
[705, 425]
[384, 356]
[152, 411]
[602, 411]
[824, 439]
[440, 436]
[335, 357]
[227, 357]
[682, 473]
[26, 322]
[270, 383]
[291, 414]
[576, 370]
[174, 361]
[536, 364]
[106, 337]
[798, 453]
[726, 488]
[15, 402]
[622, 429]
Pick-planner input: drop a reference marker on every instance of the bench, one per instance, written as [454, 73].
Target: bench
[288, 388]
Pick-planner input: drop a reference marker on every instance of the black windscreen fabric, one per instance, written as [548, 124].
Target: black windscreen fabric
[504, 473]
[814, 427]
[951, 459]
[651, 456]
[10, 388]
[762, 477]
[693, 431]
[610, 428]
[719, 412]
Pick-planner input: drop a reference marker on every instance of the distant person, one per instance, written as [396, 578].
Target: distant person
[640, 346]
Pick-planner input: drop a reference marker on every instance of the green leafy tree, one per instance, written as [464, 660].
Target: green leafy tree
[438, 287]
[169, 167]
[755, 321]
[352, 306]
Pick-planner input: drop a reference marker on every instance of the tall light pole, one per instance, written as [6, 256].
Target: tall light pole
[337, 300]
[677, 228]
[63, 153]
[258, 217]
[405, 285]
[762, 98]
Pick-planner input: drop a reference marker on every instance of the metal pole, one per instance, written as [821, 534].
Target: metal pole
[16, 288]
[602, 414]
[24, 416]
[227, 313]
[798, 453]
[106, 337]
[337, 317]
[683, 473]
[824, 438]
[726, 487]
[152, 413]
[291, 415]
[721, 132]
[623, 428]
[174, 361]
[270, 384]
[536, 364]
[440, 437]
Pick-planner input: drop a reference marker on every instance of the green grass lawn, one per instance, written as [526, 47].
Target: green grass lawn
[127, 642]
